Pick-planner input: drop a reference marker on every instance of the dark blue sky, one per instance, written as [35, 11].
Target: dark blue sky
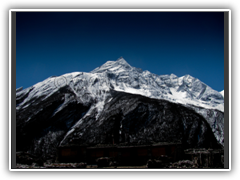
[55, 43]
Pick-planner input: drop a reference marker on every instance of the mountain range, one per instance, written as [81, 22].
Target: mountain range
[120, 102]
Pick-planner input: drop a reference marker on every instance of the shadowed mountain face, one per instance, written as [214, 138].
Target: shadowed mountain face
[126, 118]
[117, 104]
[129, 118]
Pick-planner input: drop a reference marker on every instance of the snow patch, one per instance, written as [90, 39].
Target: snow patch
[222, 93]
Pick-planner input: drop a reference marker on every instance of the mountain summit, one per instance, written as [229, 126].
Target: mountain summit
[185, 90]
[119, 64]
[118, 100]
[122, 60]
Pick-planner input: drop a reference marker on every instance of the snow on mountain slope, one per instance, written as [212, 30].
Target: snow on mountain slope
[93, 90]
[222, 93]
[120, 76]
[185, 89]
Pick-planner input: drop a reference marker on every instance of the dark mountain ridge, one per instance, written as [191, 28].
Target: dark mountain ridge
[127, 118]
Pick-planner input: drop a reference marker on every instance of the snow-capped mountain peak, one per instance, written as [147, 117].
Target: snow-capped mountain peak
[121, 76]
[119, 65]
[83, 98]
[121, 60]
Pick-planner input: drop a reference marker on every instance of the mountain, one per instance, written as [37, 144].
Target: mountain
[185, 89]
[222, 93]
[120, 101]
